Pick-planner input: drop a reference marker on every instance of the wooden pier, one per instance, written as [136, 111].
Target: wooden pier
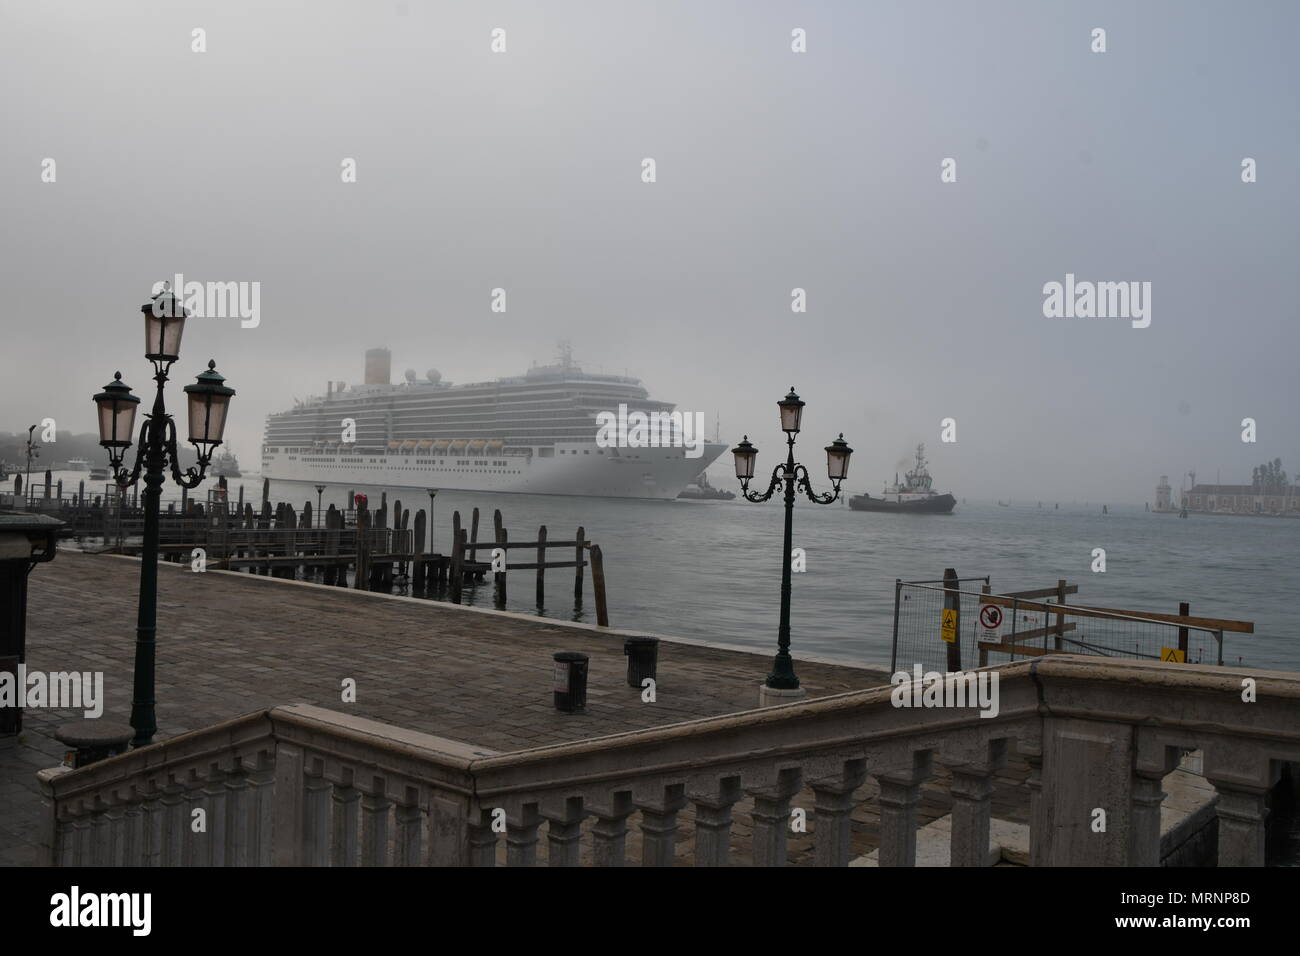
[372, 549]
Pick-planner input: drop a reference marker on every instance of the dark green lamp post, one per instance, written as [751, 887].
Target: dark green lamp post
[208, 399]
[792, 475]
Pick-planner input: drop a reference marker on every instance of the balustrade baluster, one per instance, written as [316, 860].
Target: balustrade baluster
[346, 799]
[521, 835]
[563, 831]
[659, 805]
[609, 832]
[900, 794]
[833, 803]
[375, 808]
[772, 817]
[713, 800]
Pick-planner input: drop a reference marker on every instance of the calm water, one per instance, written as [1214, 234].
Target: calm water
[711, 570]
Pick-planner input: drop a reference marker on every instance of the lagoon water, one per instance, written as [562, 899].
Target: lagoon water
[711, 569]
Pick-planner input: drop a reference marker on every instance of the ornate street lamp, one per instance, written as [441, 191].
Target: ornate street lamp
[32, 452]
[320, 518]
[208, 399]
[792, 475]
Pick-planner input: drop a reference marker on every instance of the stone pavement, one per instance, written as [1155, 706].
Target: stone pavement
[230, 643]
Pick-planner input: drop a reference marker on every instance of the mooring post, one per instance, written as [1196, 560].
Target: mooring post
[541, 567]
[983, 650]
[455, 572]
[598, 586]
[419, 564]
[503, 540]
[1060, 618]
[1184, 609]
[578, 558]
[473, 535]
[952, 602]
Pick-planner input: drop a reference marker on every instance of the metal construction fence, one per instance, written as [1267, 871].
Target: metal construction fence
[948, 628]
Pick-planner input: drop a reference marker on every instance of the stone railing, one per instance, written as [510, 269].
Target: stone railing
[302, 785]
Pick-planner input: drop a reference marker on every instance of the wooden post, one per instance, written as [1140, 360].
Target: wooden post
[501, 576]
[473, 536]
[578, 558]
[420, 566]
[266, 490]
[455, 572]
[541, 567]
[984, 651]
[362, 571]
[598, 586]
[1184, 608]
[241, 499]
[952, 602]
[1060, 618]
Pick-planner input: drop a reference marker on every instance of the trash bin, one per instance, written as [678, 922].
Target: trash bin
[570, 682]
[642, 659]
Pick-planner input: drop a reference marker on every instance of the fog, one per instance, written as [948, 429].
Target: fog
[775, 170]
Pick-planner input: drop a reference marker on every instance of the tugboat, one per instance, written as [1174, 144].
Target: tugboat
[701, 490]
[913, 496]
[226, 465]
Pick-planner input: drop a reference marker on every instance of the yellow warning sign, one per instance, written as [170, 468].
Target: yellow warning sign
[1173, 654]
[948, 631]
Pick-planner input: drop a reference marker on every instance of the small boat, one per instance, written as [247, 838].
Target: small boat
[78, 464]
[98, 473]
[911, 496]
[701, 490]
[1004, 504]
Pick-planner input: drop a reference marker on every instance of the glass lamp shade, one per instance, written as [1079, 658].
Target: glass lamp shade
[837, 459]
[117, 408]
[209, 401]
[746, 454]
[164, 321]
[791, 412]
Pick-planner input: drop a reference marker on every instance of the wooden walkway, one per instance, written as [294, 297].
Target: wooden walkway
[231, 643]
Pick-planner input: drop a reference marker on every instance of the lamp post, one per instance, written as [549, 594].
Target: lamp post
[782, 682]
[320, 490]
[208, 400]
[32, 452]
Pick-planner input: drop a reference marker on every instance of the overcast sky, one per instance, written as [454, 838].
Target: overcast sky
[775, 170]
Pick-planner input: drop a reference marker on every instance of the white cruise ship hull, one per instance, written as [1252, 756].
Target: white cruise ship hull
[568, 469]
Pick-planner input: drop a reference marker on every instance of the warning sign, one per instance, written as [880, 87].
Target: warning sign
[990, 621]
[1173, 655]
[948, 630]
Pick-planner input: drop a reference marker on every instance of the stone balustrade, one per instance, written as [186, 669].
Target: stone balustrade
[299, 785]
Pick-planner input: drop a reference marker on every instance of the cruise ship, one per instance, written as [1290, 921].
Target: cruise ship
[530, 434]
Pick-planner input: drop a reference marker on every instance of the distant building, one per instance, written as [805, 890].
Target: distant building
[1164, 495]
[1241, 499]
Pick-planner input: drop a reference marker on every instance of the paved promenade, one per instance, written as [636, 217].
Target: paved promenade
[233, 643]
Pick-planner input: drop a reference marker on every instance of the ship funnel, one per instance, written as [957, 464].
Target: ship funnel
[379, 367]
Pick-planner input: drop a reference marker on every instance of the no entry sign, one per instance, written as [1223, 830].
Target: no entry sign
[991, 616]
[990, 621]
